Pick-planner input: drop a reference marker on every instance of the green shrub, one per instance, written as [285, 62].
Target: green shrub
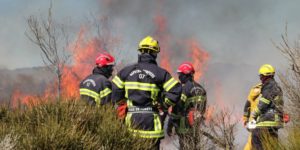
[69, 124]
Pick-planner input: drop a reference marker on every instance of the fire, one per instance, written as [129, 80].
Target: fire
[199, 57]
[196, 52]
[19, 99]
[83, 51]
[86, 47]
[163, 37]
[209, 114]
[83, 58]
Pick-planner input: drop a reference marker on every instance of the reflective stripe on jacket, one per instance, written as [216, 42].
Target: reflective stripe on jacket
[269, 112]
[96, 88]
[144, 86]
[193, 95]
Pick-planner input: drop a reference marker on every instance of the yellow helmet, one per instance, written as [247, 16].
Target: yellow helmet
[149, 45]
[266, 70]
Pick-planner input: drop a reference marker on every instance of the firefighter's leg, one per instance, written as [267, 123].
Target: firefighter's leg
[157, 144]
[248, 144]
[270, 139]
[256, 139]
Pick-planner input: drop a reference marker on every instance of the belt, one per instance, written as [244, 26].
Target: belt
[134, 109]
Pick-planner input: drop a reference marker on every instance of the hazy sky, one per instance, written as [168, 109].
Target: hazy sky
[233, 31]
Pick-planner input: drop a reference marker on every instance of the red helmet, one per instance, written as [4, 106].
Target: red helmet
[105, 59]
[186, 68]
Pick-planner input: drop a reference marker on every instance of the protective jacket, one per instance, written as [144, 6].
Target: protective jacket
[142, 85]
[250, 105]
[252, 101]
[96, 88]
[269, 111]
[193, 98]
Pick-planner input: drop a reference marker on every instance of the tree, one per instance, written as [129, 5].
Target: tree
[290, 83]
[53, 41]
[291, 79]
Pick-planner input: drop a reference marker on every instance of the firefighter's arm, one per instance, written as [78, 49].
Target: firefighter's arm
[105, 93]
[204, 103]
[174, 117]
[172, 91]
[118, 91]
[198, 98]
[263, 104]
[246, 112]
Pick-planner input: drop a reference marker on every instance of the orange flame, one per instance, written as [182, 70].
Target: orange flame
[199, 58]
[161, 32]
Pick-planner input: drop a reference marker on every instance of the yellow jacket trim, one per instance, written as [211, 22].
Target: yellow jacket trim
[264, 100]
[157, 133]
[268, 124]
[183, 97]
[118, 82]
[169, 102]
[105, 92]
[141, 86]
[170, 84]
[196, 99]
[87, 92]
[147, 134]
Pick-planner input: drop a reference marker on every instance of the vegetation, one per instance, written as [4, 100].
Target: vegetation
[290, 83]
[68, 124]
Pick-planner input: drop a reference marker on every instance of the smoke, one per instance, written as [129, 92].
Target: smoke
[237, 34]
[232, 30]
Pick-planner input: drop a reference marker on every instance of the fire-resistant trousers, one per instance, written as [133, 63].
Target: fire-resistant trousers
[264, 138]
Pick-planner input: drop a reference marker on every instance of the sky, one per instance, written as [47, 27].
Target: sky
[233, 31]
[236, 33]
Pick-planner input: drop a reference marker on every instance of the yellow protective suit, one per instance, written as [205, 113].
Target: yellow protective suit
[253, 98]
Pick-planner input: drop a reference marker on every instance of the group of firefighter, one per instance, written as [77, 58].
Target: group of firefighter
[145, 93]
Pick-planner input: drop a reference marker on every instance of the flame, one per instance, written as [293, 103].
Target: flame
[199, 58]
[162, 35]
[20, 99]
[209, 113]
[83, 50]
[86, 47]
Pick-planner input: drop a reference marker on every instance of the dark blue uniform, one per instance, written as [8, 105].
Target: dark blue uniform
[142, 86]
[96, 88]
[269, 114]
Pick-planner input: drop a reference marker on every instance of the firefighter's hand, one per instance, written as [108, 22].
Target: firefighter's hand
[251, 125]
[245, 122]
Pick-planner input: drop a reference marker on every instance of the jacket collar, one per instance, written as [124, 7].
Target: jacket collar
[99, 71]
[147, 58]
[269, 81]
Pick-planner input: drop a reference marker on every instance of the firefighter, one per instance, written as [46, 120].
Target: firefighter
[192, 104]
[96, 88]
[141, 85]
[268, 115]
[249, 107]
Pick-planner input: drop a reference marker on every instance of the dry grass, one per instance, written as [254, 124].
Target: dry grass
[217, 133]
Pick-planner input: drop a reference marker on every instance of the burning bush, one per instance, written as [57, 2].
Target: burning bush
[68, 124]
